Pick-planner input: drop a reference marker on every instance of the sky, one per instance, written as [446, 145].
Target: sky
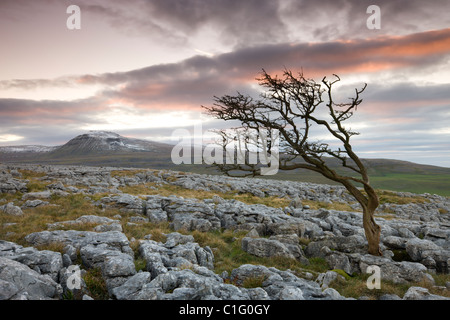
[143, 68]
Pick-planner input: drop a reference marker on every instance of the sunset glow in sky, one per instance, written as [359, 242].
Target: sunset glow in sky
[143, 68]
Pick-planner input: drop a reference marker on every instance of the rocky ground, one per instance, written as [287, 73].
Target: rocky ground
[117, 233]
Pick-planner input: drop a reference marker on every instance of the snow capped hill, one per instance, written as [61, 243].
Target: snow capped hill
[90, 143]
[102, 141]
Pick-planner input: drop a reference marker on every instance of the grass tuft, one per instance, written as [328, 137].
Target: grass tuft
[96, 285]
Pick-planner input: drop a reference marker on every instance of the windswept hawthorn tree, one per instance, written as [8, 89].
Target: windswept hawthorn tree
[295, 105]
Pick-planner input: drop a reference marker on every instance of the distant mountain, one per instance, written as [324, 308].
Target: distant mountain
[96, 148]
[105, 141]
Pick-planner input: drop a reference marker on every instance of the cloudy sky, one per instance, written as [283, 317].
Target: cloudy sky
[143, 68]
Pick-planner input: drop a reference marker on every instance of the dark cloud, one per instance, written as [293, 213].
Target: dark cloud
[415, 51]
[20, 112]
[197, 79]
[243, 23]
[251, 22]
[133, 20]
[346, 19]
[174, 22]
[408, 92]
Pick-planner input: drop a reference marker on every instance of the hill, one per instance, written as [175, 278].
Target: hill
[95, 148]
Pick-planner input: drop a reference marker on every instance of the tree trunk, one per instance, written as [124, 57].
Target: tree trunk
[369, 204]
[373, 232]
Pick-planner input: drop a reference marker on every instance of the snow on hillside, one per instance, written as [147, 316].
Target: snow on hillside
[27, 148]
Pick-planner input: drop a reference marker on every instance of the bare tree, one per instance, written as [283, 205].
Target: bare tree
[295, 105]
[241, 148]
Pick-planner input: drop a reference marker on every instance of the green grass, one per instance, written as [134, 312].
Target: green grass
[254, 282]
[356, 286]
[62, 208]
[95, 284]
[228, 254]
[404, 182]
[140, 230]
[169, 189]
[415, 183]
[391, 197]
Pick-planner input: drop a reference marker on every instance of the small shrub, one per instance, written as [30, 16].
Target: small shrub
[140, 264]
[342, 273]
[339, 206]
[303, 241]
[253, 282]
[318, 264]
[157, 230]
[125, 173]
[53, 246]
[95, 284]
[28, 174]
[36, 186]
[401, 255]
